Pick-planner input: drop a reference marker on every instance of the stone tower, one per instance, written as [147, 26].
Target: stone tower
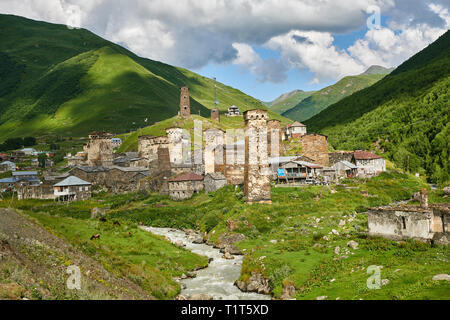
[148, 147]
[213, 154]
[185, 105]
[179, 145]
[315, 146]
[100, 150]
[274, 133]
[215, 115]
[256, 169]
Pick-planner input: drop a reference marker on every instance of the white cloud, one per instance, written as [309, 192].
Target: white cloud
[193, 33]
[315, 51]
[442, 12]
[386, 48]
[268, 70]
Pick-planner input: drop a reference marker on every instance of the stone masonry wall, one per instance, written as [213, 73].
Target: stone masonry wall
[256, 169]
[315, 146]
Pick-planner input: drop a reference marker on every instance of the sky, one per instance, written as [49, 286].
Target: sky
[261, 47]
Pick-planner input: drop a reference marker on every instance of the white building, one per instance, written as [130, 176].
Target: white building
[116, 142]
[368, 163]
[233, 111]
[295, 130]
[72, 189]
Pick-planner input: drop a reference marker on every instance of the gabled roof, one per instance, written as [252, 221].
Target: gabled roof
[7, 162]
[24, 173]
[305, 164]
[348, 164]
[296, 124]
[72, 181]
[187, 177]
[365, 155]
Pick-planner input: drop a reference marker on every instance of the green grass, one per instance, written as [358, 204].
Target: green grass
[288, 100]
[63, 82]
[130, 140]
[406, 115]
[291, 220]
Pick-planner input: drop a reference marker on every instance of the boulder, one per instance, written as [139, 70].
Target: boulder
[227, 256]
[257, 283]
[441, 277]
[322, 298]
[288, 292]
[232, 225]
[227, 239]
[232, 249]
[337, 250]
[200, 296]
[198, 240]
[353, 244]
[446, 191]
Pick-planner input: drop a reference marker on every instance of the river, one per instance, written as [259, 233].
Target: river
[216, 280]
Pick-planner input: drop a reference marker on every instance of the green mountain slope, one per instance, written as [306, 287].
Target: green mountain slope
[288, 100]
[406, 114]
[321, 99]
[56, 80]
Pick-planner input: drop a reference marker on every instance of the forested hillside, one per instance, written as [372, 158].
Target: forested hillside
[405, 115]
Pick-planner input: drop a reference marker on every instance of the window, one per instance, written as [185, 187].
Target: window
[404, 223]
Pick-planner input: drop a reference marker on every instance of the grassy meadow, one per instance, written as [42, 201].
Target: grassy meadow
[291, 242]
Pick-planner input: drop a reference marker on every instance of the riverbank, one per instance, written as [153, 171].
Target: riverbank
[216, 281]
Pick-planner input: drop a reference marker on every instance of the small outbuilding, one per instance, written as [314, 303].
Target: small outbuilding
[184, 186]
[345, 168]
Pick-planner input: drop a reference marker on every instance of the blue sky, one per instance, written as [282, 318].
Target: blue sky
[261, 47]
[242, 79]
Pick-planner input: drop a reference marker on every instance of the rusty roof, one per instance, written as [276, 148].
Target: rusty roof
[365, 155]
[296, 124]
[187, 177]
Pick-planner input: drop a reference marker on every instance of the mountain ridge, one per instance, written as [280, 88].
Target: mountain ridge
[61, 81]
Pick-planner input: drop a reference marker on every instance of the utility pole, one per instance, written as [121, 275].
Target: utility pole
[215, 93]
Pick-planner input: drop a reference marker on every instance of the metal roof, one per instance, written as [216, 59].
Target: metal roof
[24, 173]
[349, 164]
[72, 181]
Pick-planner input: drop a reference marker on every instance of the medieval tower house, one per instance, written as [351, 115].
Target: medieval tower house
[256, 170]
[185, 105]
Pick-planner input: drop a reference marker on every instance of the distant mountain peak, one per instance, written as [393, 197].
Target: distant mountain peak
[375, 69]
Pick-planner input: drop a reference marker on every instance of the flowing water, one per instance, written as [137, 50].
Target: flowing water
[217, 280]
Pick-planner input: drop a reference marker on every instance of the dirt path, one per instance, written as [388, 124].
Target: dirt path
[34, 262]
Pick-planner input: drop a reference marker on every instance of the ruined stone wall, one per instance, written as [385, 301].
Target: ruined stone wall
[185, 105]
[100, 150]
[256, 169]
[148, 147]
[400, 223]
[177, 139]
[315, 146]
[335, 157]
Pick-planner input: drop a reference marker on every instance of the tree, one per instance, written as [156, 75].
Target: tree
[41, 158]
[29, 141]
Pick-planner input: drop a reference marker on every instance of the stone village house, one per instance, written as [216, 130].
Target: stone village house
[72, 189]
[368, 163]
[183, 186]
